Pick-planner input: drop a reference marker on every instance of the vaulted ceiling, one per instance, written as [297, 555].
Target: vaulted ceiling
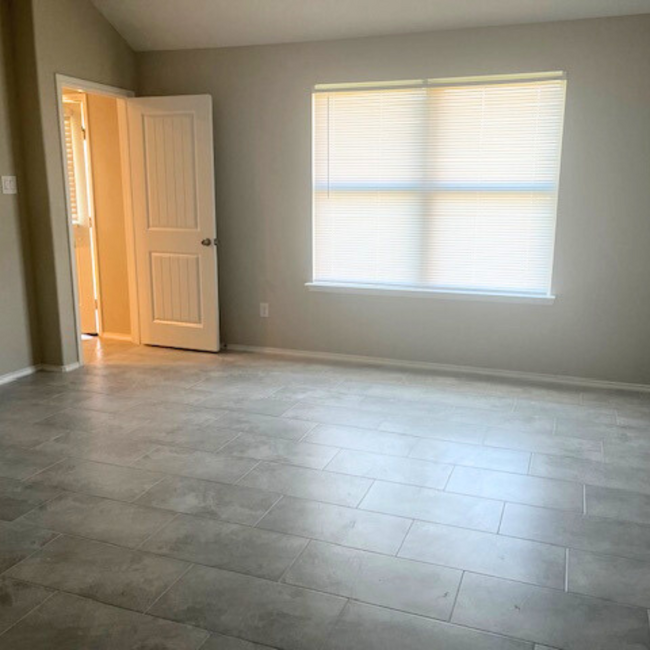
[185, 24]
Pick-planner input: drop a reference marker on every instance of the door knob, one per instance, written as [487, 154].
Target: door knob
[206, 242]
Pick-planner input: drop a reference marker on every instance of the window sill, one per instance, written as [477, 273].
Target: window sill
[379, 290]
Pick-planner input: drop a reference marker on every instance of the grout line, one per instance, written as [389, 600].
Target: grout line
[584, 499]
[453, 607]
[294, 561]
[31, 611]
[207, 638]
[365, 494]
[503, 512]
[40, 505]
[182, 575]
[218, 449]
[275, 503]
[57, 535]
[406, 534]
[151, 487]
[154, 447]
[448, 480]
[325, 641]
[245, 474]
[40, 471]
[307, 433]
[155, 532]
[331, 460]
[566, 569]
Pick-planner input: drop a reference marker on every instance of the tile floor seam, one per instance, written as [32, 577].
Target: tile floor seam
[31, 611]
[566, 570]
[36, 507]
[245, 474]
[202, 644]
[164, 477]
[155, 532]
[453, 607]
[4, 574]
[164, 591]
[327, 503]
[86, 596]
[257, 523]
[503, 511]
[451, 473]
[365, 494]
[280, 580]
[40, 471]
[194, 563]
[325, 642]
[406, 534]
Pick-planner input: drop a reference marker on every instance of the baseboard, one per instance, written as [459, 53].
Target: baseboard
[116, 336]
[46, 367]
[561, 380]
[17, 374]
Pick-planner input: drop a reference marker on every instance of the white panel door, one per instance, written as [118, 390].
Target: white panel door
[172, 169]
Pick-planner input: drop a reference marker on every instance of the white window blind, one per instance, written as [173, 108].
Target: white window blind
[448, 185]
[70, 168]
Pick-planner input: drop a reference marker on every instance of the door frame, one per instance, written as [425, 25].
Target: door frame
[120, 94]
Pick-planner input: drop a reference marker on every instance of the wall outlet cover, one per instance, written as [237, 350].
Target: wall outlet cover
[9, 185]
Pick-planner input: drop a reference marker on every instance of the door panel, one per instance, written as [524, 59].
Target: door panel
[170, 140]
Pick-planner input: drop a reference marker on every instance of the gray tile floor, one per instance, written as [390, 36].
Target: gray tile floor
[166, 500]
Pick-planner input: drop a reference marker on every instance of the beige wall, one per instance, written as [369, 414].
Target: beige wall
[109, 213]
[16, 349]
[599, 326]
[69, 37]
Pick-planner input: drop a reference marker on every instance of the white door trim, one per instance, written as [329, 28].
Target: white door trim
[86, 86]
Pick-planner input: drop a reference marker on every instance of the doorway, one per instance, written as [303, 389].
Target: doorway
[97, 213]
[141, 215]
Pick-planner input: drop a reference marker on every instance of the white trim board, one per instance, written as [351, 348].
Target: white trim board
[561, 380]
[46, 367]
[116, 336]
[8, 377]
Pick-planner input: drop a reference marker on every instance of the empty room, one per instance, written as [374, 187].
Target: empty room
[325, 325]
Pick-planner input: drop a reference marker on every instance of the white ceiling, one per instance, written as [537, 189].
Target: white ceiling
[184, 24]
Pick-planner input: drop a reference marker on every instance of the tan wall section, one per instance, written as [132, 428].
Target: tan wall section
[109, 213]
[16, 349]
[68, 37]
[599, 325]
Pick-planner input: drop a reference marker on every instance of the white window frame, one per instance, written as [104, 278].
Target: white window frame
[351, 288]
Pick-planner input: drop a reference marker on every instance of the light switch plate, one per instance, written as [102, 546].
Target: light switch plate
[9, 185]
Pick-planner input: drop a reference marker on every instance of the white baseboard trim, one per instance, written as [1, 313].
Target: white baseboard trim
[46, 367]
[8, 377]
[562, 380]
[116, 336]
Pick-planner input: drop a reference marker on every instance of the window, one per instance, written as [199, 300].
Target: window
[447, 185]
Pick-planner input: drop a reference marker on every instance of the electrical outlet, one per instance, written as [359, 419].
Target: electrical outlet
[9, 185]
[264, 309]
